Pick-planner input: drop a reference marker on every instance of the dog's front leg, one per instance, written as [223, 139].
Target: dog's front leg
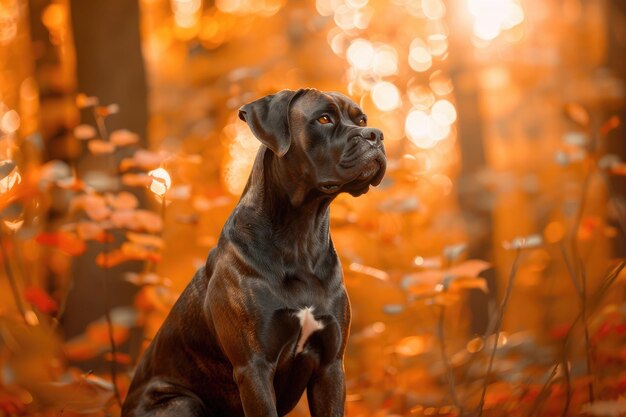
[256, 390]
[326, 391]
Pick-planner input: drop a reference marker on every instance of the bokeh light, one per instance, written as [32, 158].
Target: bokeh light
[161, 181]
[491, 17]
[443, 112]
[386, 96]
[419, 56]
[360, 54]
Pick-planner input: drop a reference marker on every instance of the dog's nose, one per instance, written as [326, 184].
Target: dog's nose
[372, 134]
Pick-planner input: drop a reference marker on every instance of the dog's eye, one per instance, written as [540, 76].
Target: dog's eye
[362, 122]
[324, 120]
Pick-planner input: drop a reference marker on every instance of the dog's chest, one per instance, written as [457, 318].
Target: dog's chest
[308, 325]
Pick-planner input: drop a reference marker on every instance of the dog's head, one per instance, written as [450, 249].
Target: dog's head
[321, 140]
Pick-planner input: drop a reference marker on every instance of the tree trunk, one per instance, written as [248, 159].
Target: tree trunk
[109, 65]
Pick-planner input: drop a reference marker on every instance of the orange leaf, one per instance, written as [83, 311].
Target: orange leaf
[124, 201]
[145, 239]
[99, 147]
[89, 230]
[64, 241]
[123, 137]
[136, 180]
[412, 345]
[143, 159]
[469, 282]
[84, 131]
[577, 114]
[148, 221]
[82, 349]
[111, 259]
[618, 168]
[470, 268]
[40, 299]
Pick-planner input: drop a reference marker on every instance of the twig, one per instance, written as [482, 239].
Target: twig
[568, 383]
[500, 316]
[580, 271]
[446, 360]
[14, 289]
[595, 301]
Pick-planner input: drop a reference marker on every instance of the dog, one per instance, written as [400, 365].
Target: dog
[268, 316]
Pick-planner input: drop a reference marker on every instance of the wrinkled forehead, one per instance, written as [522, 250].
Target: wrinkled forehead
[313, 102]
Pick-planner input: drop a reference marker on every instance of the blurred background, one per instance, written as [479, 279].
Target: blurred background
[485, 272]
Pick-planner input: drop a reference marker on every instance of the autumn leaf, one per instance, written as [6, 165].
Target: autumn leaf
[122, 201]
[89, 230]
[618, 168]
[94, 205]
[123, 137]
[53, 171]
[84, 131]
[611, 124]
[64, 241]
[469, 283]
[136, 180]
[86, 395]
[40, 299]
[129, 251]
[412, 345]
[70, 183]
[148, 221]
[111, 259]
[143, 159]
[100, 147]
[470, 268]
[578, 114]
[475, 345]
[145, 239]
[155, 297]
[98, 332]
[83, 101]
[82, 348]
[148, 278]
[104, 111]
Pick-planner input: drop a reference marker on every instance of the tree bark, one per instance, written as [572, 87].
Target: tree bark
[109, 65]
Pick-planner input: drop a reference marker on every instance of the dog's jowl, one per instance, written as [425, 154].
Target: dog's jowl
[267, 317]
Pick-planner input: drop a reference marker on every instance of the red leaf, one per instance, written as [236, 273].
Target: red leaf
[40, 299]
[612, 123]
[64, 241]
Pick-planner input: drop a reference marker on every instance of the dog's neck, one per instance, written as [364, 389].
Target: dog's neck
[282, 198]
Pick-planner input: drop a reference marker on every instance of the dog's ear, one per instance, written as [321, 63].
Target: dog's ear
[268, 118]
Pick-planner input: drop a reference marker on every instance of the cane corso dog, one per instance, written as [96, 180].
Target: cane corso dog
[268, 316]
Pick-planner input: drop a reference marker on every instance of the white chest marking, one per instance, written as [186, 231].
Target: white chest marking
[308, 324]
